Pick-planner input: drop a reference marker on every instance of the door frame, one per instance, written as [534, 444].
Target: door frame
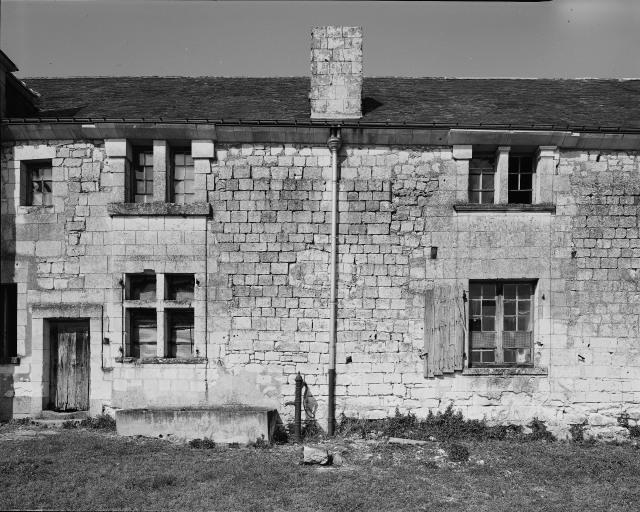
[53, 354]
[41, 317]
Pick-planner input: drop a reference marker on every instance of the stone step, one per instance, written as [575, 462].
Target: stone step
[55, 415]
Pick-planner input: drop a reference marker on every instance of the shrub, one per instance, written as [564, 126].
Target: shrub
[69, 424]
[457, 452]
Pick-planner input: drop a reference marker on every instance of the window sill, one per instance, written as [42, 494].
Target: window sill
[468, 207]
[505, 372]
[162, 360]
[14, 360]
[158, 208]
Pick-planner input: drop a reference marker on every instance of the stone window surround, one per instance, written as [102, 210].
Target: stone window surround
[542, 181]
[120, 152]
[24, 154]
[161, 305]
[541, 314]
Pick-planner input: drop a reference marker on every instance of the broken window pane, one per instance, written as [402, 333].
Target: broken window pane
[180, 333]
[141, 287]
[40, 185]
[143, 333]
[179, 286]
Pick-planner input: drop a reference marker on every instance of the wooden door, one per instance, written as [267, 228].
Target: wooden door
[70, 384]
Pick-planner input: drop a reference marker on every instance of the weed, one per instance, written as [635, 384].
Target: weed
[69, 424]
[101, 422]
[21, 421]
[443, 425]
[206, 444]
[457, 452]
[576, 430]
[280, 434]
[261, 442]
[623, 421]
[539, 431]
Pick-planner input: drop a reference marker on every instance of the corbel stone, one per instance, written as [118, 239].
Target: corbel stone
[501, 181]
[202, 149]
[118, 148]
[543, 188]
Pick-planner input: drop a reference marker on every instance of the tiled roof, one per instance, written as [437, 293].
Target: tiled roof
[561, 103]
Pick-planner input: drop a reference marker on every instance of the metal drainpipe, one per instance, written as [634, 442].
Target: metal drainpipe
[334, 144]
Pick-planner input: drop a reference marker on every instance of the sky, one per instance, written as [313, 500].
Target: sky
[556, 39]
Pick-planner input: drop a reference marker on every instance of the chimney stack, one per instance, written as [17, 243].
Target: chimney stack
[336, 73]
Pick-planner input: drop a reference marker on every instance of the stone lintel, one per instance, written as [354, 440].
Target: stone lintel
[203, 149]
[462, 151]
[118, 148]
[39, 152]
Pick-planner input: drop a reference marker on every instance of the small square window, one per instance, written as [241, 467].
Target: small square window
[38, 183]
[179, 286]
[520, 180]
[143, 333]
[180, 333]
[141, 287]
[141, 183]
[182, 189]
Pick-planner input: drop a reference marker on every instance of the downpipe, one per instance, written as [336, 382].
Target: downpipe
[334, 143]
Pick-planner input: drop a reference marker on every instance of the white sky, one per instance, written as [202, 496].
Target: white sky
[561, 38]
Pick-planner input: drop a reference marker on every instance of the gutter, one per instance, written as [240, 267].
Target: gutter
[334, 144]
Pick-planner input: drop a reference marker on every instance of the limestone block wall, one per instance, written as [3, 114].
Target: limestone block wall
[262, 263]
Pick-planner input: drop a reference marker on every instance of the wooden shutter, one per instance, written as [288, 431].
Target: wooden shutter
[444, 332]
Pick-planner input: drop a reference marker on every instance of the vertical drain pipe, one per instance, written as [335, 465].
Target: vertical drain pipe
[334, 144]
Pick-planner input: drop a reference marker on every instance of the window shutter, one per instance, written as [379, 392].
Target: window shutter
[444, 332]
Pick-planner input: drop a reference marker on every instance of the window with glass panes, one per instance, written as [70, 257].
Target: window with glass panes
[520, 180]
[501, 323]
[481, 180]
[39, 184]
[183, 181]
[142, 176]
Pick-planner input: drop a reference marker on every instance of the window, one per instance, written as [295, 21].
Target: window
[142, 176]
[182, 176]
[481, 180]
[172, 313]
[141, 287]
[8, 321]
[501, 323]
[520, 184]
[38, 183]
[143, 333]
[180, 332]
[179, 287]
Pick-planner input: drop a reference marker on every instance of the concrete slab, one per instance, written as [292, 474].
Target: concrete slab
[224, 424]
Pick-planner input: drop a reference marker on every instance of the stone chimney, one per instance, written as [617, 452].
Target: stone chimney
[336, 73]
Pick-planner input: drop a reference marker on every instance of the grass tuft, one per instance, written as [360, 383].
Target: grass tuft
[457, 452]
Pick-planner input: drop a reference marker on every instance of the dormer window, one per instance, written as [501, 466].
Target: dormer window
[520, 179]
[142, 175]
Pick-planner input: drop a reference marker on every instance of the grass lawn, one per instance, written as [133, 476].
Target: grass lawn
[90, 470]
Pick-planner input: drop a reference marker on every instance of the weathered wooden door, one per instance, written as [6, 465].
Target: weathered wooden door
[70, 366]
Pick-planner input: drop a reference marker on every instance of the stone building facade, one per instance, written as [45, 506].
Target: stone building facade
[204, 278]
